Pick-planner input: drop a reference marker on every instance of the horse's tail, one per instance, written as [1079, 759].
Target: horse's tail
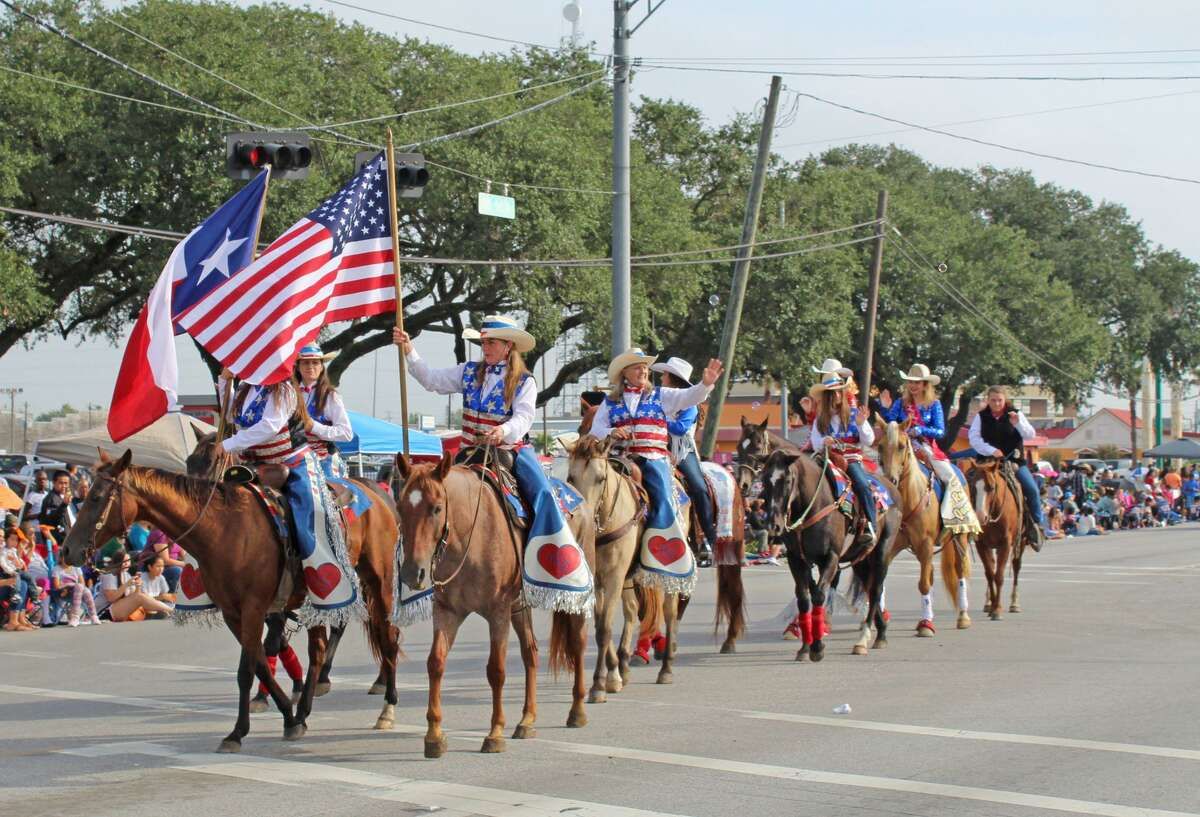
[650, 610]
[731, 600]
[568, 636]
[955, 552]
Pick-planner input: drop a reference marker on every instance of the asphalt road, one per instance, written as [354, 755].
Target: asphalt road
[1084, 703]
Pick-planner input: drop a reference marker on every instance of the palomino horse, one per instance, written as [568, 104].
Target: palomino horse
[1000, 513]
[456, 536]
[234, 541]
[920, 526]
[802, 510]
[371, 548]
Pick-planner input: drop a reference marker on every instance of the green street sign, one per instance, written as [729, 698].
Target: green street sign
[498, 206]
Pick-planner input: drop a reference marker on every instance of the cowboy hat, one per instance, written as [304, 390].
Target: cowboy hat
[629, 357]
[312, 351]
[831, 382]
[501, 327]
[676, 366]
[833, 366]
[919, 371]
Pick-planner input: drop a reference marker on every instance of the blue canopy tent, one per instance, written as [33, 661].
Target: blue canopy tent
[373, 436]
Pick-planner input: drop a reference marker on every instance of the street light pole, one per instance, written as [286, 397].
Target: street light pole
[12, 393]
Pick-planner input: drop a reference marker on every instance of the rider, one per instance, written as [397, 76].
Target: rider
[677, 374]
[499, 400]
[841, 426]
[999, 430]
[927, 425]
[327, 422]
[270, 423]
[634, 415]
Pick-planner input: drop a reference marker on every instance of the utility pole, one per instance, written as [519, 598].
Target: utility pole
[864, 380]
[25, 429]
[741, 270]
[12, 393]
[783, 408]
[621, 240]
[545, 428]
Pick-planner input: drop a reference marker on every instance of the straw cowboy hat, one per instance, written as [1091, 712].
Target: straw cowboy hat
[833, 366]
[832, 381]
[629, 357]
[676, 366]
[312, 351]
[919, 371]
[501, 327]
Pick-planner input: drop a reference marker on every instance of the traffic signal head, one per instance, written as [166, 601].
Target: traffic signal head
[411, 173]
[288, 153]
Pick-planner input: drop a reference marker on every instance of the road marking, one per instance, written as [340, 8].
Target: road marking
[101, 697]
[24, 654]
[432, 794]
[1037, 579]
[356, 681]
[967, 734]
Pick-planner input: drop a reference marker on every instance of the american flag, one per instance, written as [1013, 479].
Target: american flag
[335, 264]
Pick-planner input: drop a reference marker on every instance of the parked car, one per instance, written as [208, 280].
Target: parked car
[13, 463]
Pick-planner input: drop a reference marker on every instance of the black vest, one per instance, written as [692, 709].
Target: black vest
[1001, 433]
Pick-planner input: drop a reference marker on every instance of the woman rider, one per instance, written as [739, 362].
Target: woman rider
[634, 415]
[677, 374]
[927, 425]
[499, 398]
[328, 422]
[270, 422]
[1000, 431]
[840, 426]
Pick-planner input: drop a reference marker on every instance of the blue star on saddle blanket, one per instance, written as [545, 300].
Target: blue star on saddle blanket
[276, 509]
[568, 499]
[938, 488]
[846, 497]
[361, 502]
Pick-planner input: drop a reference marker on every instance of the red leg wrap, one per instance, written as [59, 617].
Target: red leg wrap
[806, 627]
[262, 688]
[818, 623]
[291, 663]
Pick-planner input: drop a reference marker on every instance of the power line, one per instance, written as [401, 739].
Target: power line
[856, 75]
[987, 143]
[441, 27]
[872, 64]
[144, 232]
[518, 185]
[934, 56]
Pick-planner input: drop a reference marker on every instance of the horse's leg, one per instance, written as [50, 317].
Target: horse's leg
[924, 552]
[317, 641]
[253, 662]
[522, 623]
[272, 646]
[629, 608]
[498, 631]
[820, 593]
[445, 628]
[603, 613]
[863, 574]
[670, 613]
[801, 577]
[577, 644]
[335, 638]
[1001, 567]
[961, 559]
[1015, 604]
[988, 557]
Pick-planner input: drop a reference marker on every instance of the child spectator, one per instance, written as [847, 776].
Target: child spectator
[158, 545]
[154, 583]
[121, 594]
[69, 581]
[16, 586]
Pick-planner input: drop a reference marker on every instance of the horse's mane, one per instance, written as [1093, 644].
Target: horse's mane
[589, 447]
[165, 484]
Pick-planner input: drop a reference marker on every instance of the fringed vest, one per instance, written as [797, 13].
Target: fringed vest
[483, 412]
[649, 426]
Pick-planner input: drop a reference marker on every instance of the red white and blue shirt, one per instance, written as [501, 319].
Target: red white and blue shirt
[330, 424]
[484, 406]
[268, 426]
[646, 413]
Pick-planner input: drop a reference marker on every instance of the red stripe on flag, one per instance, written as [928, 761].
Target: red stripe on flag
[137, 401]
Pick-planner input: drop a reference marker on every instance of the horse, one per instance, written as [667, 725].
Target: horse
[757, 443]
[246, 570]
[802, 511]
[920, 527]
[371, 547]
[456, 536]
[1000, 513]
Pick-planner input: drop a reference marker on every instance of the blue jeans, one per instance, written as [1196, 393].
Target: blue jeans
[172, 574]
[538, 495]
[16, 596]
[1029, 487]
[862, 489]
[697, 489]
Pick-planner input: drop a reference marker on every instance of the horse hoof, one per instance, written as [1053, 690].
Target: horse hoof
[377, 689]
[435, 748]
[1014, 608]
[492, 745]
[996, 615]
[295, 731]
[665, 678]
[879, 644]
[229, 747]
[925, 630]
[802, 653]
[789, 635]
[964, 621]
[728, 648]
[858, 649]
[597, 696]
[258, 704]
[614, 685]
[383, 724]
[639, 659]
[577, 720]
[523, 732]
[816, 655]
[323, 688]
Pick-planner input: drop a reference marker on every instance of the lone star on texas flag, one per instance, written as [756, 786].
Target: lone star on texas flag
[219, 260]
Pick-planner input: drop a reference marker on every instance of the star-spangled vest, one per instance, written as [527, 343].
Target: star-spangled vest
[483, 412]
[846, 440]
[287, 446]
[649, 426]
[320, 447]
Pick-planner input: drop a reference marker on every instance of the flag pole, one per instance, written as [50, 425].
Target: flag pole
[395, 217]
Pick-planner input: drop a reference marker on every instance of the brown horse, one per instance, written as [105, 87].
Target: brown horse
[371, 548]
[234, 541]
[757, 443]
[456, 535]
[921, 524]
[1001, 514]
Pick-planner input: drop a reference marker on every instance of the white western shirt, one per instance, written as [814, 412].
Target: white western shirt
[448, 380]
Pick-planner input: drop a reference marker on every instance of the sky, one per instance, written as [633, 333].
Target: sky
[1152, 135]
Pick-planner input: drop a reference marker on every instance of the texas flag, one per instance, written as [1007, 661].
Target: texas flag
[219, 248]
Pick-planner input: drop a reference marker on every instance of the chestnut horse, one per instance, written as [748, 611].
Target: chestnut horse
[456, 536]
[246, 570]
[920, 526]
[371, 548]
[801, 510]
[1001, 515]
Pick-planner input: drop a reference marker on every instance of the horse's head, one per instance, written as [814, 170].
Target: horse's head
[424, 518]
[208, 459]
[587, 465]
[895, 448]
[746, 476]
[105, 511]
[781, 484]
[983, 481]
[754, 443]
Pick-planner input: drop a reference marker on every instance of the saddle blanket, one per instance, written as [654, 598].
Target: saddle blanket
[568, 498]
[848, 500]
[276, 507]
[939, 489]
[722, 484]
[360, 503]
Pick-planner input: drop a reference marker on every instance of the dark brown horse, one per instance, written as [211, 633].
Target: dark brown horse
[801, 507]
[371, 547]
[456, 536]
[757, 442]
[1001, 515]
[246, 571]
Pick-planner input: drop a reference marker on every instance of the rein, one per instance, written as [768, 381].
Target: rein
[605, 536]
[820, 514]
[439, 549]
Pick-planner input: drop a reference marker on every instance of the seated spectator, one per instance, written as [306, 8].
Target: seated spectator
[16, 586]
[1109, 511]
[1054, 524]
[154, 583]
[158, 545]
[1054, 494]
[69, 583]
[121, 594]
[39, 572]
[1086, 525]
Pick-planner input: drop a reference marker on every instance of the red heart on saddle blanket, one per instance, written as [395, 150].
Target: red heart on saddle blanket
[191, 582]
[323, 579]
[558, 560]
[667, 551]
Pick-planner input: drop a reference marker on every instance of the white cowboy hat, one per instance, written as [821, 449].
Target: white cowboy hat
[501, 327]
[629, 357]
[676, 366]
[919, 371]
[311, 351]
[833, 366]
[831, 382]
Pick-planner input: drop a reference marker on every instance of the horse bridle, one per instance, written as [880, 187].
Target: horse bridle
[118, 493]
[439, 549]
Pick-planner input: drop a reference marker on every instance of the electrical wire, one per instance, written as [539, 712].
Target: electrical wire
[856, 75]
[934, 56]
[519, 185]
[441, 27]
[144, 232]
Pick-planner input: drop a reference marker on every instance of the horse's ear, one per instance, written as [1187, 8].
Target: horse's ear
[124, 461]
[606, 445]
[744, 423]
[104, 458]
[443, 467]
[763, 425]
[403, 466]
[905, 425]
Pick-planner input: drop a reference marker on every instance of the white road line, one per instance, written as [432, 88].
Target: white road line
[432, 794]
[118, 700]
[1115, 567]
[1038, 579]
[356, 681]
[24, 654]
[967, 734]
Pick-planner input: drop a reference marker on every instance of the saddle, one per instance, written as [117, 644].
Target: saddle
[495, 467]
[847, 504]
[274, 475]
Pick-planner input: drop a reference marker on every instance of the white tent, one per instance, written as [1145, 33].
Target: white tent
[164, 444]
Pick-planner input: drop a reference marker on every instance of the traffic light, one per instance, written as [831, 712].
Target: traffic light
[411, 173]
[289, 153]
